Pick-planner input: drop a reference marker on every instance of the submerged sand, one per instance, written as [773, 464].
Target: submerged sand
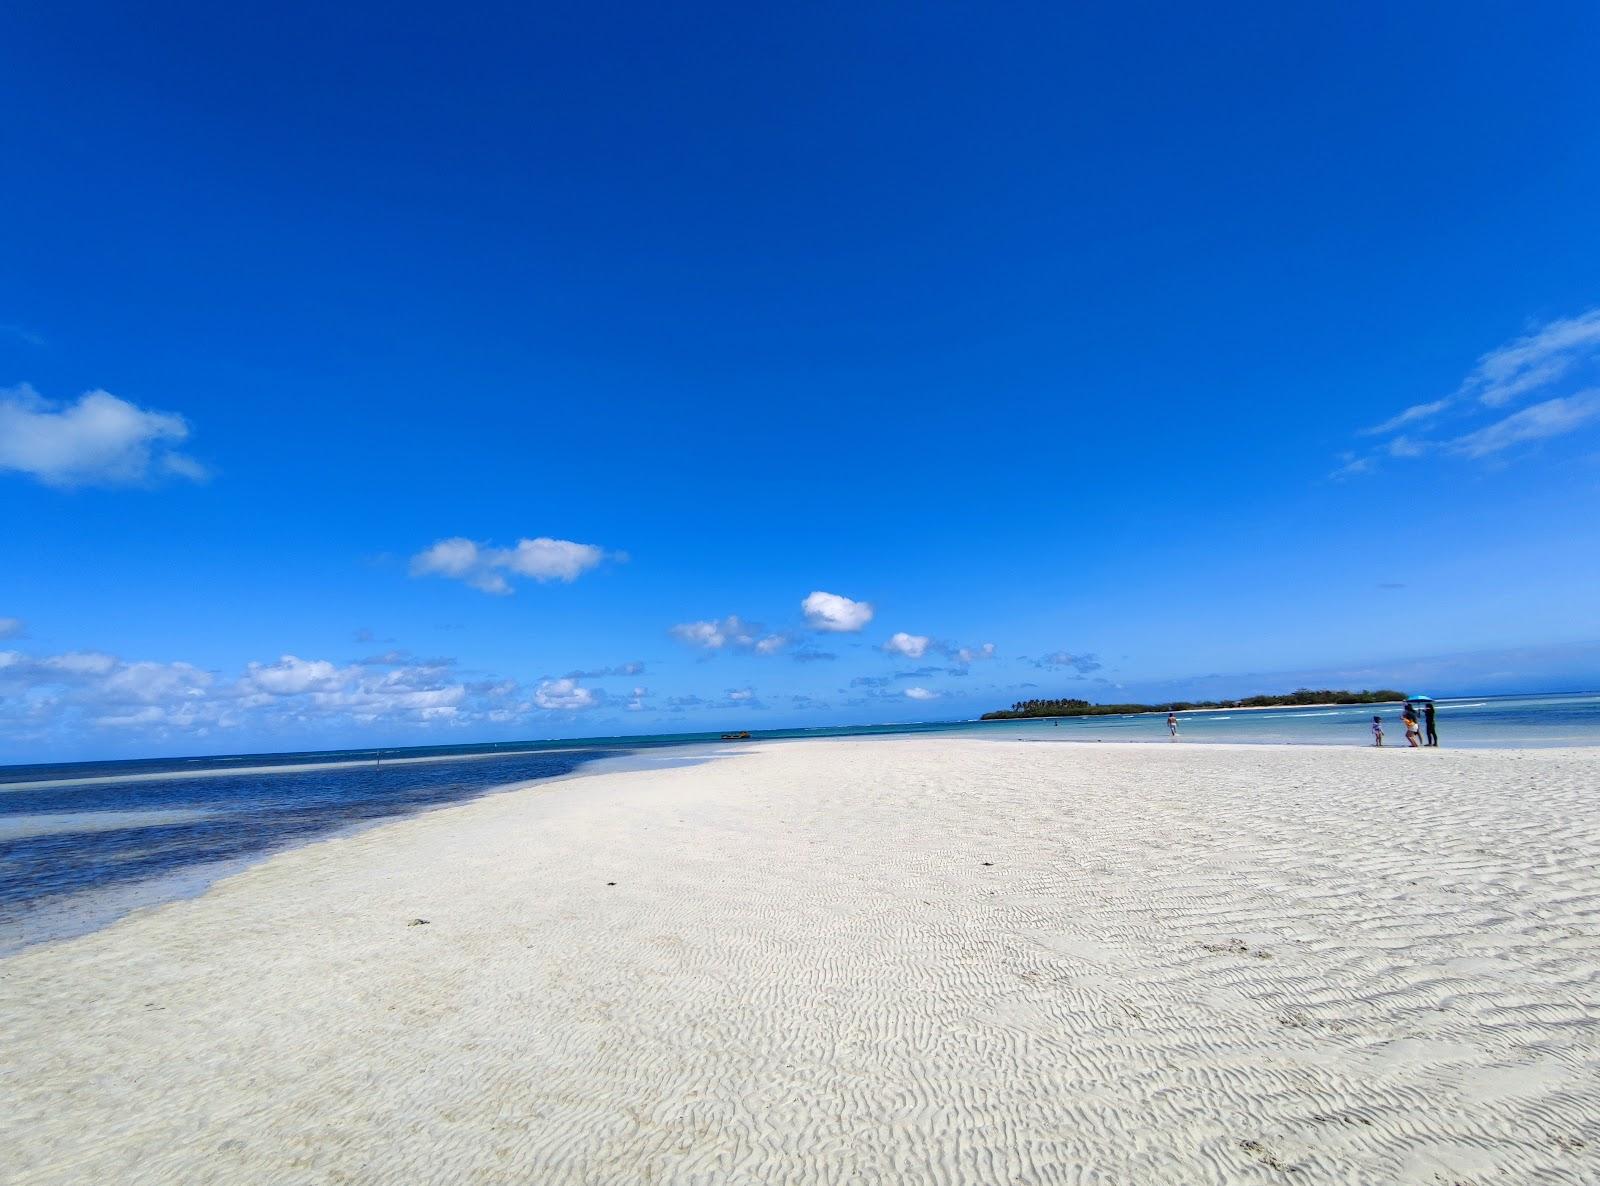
[906, 960]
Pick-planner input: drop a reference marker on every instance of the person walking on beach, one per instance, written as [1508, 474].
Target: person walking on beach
[1408, 714]
[1427, 716]
[1377, 731]
[1172, 725]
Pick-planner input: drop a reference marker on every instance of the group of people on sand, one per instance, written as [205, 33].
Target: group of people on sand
[1414, 725]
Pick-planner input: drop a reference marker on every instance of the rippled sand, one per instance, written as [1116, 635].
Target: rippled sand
[866, 961]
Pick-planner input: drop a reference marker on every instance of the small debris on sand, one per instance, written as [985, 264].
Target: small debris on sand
[1236, 947]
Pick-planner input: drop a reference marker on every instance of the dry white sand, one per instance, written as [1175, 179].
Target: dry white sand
[899, 961]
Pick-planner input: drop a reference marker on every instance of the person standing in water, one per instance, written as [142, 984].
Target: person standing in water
[1172, 725]
[1377, 731]
[1427, 716]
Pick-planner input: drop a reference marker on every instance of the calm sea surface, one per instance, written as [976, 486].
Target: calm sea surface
[83, 843]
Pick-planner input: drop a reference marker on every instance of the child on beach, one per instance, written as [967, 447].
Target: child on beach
[1413, 733]
[1377, 731]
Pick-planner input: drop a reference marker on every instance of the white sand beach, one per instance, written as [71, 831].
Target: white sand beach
[876, 961]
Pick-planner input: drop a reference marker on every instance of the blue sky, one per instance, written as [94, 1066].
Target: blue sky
[1131, 351]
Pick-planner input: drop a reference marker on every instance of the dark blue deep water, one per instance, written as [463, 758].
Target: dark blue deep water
[63, 841]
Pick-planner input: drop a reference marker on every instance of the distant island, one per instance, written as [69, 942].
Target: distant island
[1082, 708]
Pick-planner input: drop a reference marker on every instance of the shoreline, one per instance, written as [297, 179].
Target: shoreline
[97, 908]
[823, 960]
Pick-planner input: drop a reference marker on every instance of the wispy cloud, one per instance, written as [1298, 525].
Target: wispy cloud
[729, 633]
[21, 333]
[803, 653]
[1533, 362]
[100, 440]
[1351, 466]
[1083, 662]
[485, 567]
[921, 694]
[1412, 415]
[915, 646]
[968, 655]
[1561, 353]
[11, 627]
[389, 658]
[1553, 417]
[623, 669]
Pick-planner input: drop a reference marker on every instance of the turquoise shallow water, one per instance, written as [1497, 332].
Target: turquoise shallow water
[82, 843]
[1474, 722]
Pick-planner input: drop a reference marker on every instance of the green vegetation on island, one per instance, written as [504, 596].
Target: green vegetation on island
[1082, 708]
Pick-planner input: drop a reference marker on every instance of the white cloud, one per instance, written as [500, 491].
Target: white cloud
[965, 655]
[10, 627]
[912, 646]
[448, 558]
[1533, 361]
[81, 663]
[1411, 415]
[564, 694]
[1562, 352]
[78, 689]
[293, 676]
[921, 694]
[1553, 417]
[96, 688]
[1352, 465]
[151, 683]
[636, 700]
[740, 695]
[712, 635]
[731, 632]
[831, 613]
[545, 559]
[98, 441]
[483, 567]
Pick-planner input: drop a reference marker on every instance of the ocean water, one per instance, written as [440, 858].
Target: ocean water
[84, 843]
[1474, 722]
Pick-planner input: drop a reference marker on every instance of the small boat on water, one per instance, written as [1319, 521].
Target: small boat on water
[741, 736]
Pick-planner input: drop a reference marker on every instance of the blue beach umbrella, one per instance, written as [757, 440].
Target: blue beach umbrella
[1419, 699]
